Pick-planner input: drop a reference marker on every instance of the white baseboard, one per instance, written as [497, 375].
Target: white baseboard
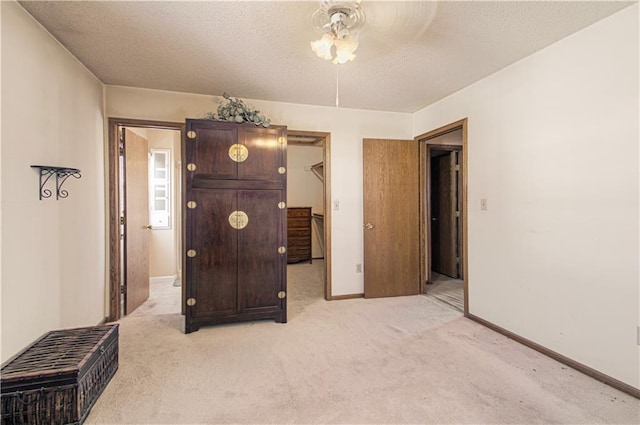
[163, 279]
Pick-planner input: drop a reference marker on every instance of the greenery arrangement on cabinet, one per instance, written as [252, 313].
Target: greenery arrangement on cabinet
[235, 110]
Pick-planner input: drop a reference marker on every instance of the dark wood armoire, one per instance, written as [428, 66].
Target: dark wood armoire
[235, 219]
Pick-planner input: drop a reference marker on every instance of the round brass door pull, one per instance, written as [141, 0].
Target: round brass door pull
[238, 220]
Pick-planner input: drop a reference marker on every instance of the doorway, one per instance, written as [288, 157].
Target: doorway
[444, 215]
[309, 186]
[145, 225]
[445, 205]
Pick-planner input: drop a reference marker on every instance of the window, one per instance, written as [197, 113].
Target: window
[160, 188]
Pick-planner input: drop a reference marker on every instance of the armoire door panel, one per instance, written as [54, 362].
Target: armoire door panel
[261, 265]
[213, 276]
[265, 155]
[213, 144]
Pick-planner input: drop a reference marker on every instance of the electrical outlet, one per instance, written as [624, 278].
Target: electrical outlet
[483, 204]
[336, 205]
[358, 268]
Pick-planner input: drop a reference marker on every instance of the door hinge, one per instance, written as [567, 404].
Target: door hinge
[123, 221]
[457, 168]
[457, 214]
[123, 289]
[457, 259]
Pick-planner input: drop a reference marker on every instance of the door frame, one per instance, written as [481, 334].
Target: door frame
[326, 159]
[113, 157]
[425, 195]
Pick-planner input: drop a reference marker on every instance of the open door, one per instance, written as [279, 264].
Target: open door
[136, 222]
[444, 213]
[391, 218]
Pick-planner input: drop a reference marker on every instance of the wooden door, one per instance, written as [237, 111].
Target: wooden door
[136, 213]
[391, 218]
[212, 259]
[264, 158]
[260, 275]
[444, 216]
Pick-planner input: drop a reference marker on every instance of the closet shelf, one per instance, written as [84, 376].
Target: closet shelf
[318, 170]
[61, 173]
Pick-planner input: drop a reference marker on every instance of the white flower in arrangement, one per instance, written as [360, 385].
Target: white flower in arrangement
[235, 110]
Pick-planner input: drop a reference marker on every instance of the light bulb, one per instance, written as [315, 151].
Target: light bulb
[322, 47]
[344, 49]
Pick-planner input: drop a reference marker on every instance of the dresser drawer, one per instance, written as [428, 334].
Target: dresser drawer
[299, 251]
[298, 223]
[298, 233]
[299, 212]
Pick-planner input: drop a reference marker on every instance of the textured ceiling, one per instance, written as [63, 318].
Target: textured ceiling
[411, 53]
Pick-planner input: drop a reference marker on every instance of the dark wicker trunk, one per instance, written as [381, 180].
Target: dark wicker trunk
[58, 378]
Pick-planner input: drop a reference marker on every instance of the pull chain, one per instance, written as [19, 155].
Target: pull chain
[337, 86]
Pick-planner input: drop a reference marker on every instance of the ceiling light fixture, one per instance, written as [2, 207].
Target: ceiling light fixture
[340, 22]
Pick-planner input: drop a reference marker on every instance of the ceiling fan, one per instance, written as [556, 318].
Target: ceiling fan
[383, 24]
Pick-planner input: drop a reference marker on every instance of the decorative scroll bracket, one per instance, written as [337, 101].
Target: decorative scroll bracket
[61, 173]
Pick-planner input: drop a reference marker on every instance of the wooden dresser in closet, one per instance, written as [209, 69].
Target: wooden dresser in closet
[299, 234]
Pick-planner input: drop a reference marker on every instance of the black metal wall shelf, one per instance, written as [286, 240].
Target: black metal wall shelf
[61, 173]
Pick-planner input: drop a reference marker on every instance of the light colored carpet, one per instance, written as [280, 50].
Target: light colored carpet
[164, 298]
[447, 290]
[392, 360]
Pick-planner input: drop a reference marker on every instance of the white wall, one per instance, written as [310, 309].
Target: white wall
[305, 189]
[553, 146]
[53, 251]
[347, 127]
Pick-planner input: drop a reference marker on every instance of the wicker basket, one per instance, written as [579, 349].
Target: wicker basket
[58, 378]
